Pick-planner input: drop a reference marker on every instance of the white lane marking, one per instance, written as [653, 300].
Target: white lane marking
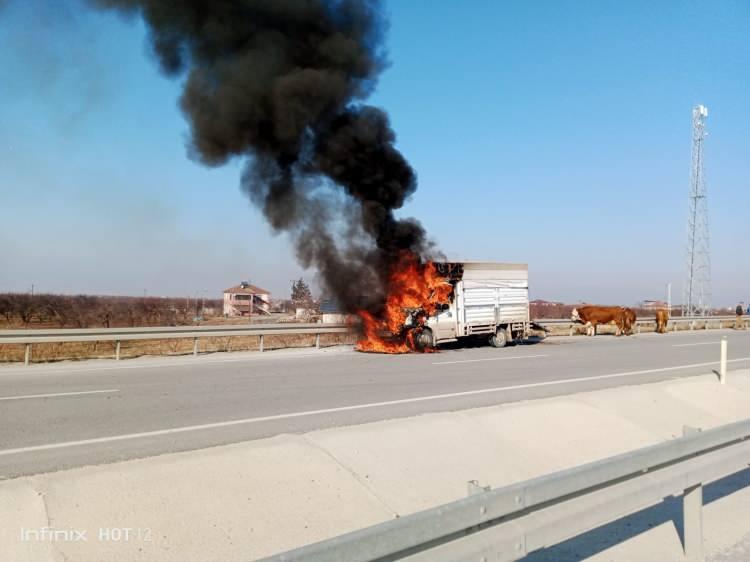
[291, 415]
[490, 359]
[54, 369]
[697, 343]
[58, 394]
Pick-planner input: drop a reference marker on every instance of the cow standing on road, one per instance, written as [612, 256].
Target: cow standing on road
[662, 319]
[628, 320]
[592, 316]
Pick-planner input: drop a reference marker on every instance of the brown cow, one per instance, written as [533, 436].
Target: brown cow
[662, 318]
[592, 316]
[628, 320]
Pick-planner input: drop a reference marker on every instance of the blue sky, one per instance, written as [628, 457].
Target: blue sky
[552, 133]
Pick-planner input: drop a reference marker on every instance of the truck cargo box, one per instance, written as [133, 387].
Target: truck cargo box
[489, 299]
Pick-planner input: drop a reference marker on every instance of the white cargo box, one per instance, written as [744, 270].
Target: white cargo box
[490, 300]
[491, 294]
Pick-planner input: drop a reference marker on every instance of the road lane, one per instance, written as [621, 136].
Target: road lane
[212, 395]
[488, 359]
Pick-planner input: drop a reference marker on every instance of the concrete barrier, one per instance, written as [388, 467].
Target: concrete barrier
[249, 500]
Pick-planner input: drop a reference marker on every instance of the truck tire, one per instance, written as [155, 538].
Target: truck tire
[424, 340]
[499, 338]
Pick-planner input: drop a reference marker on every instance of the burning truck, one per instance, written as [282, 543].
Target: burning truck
[439, 302]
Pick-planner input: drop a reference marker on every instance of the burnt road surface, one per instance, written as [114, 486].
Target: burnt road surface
[63, 415]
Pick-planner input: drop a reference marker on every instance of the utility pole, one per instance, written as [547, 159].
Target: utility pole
[698, 281]
[669, 300]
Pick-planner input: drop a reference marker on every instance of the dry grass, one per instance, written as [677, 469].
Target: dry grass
[46, 352]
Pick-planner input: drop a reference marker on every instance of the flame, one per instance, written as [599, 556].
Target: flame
[412, 286]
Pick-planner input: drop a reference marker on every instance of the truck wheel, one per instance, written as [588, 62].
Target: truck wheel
[499, 338]
[424, 340]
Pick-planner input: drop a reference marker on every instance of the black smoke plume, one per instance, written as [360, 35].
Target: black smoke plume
[281, 83]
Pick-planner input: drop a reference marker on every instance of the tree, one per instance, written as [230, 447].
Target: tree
[301, 295]
[6, 307]
[83, 308]
[25, 307]
[55, 309]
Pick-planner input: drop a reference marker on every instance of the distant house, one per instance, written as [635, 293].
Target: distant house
[541, 302]
[540, 308]
[653, 305]
[246, 299]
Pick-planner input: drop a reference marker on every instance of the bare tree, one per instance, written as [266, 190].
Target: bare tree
[6, 307]
[25, 308]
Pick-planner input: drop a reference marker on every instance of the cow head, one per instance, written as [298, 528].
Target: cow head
[575, 317]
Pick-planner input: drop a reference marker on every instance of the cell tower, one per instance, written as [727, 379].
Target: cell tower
[697, 299]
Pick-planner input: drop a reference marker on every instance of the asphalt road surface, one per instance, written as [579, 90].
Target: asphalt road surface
[63, 415]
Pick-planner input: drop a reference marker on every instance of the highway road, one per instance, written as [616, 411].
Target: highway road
[64, 415]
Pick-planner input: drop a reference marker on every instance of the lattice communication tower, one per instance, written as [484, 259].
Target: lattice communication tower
[697, 299]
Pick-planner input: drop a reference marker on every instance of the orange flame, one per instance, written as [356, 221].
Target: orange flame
[413, 285]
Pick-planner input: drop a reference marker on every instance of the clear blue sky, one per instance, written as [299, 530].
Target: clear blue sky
[553, 133]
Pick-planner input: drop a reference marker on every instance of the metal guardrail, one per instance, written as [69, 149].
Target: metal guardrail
[117, 335]
[706, 322]
[510, 522]
[649, 320]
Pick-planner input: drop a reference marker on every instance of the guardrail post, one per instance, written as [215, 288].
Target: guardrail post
[317, 341]
[261, 343]
[195, 347]
[117, 350]
[474, 487]
[27, 355]
[571, 330]
[723, 365]
[692, 516]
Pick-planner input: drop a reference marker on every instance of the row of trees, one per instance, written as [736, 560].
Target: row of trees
[539, 311]
[86, 311]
